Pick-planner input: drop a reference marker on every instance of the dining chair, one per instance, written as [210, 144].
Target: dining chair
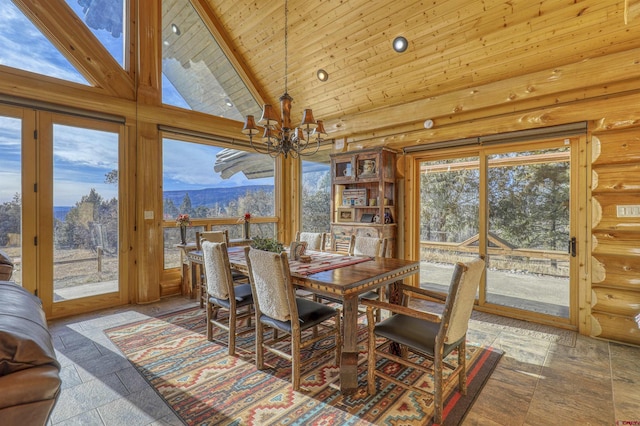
[370, 246]
[314, 240]
[429, 337]
[216, 237]
[223, 293]
[277, 307]
[367, 246]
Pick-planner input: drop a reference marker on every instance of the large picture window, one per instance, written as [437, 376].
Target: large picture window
[216, 187]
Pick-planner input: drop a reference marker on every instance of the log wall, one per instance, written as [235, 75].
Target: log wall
[615, 250]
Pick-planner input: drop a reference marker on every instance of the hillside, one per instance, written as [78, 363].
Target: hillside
[208, 197]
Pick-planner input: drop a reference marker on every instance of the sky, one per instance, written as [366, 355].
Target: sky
[82, 157]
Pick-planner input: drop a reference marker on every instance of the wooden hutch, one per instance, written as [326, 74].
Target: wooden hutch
[364, 197]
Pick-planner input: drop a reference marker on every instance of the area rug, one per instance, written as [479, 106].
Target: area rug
[205, 386]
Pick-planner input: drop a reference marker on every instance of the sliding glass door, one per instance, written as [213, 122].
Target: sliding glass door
[515, 206]
[529, 230]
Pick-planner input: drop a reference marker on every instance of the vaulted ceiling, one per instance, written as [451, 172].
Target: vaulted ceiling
[466, 58]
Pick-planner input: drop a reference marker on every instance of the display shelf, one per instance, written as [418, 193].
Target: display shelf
[363, 191]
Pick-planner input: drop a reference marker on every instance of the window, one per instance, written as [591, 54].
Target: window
[215, 186]
[316, 196]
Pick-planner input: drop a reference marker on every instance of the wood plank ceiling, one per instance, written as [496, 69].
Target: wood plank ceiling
[465, 57]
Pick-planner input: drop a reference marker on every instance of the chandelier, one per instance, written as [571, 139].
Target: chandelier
[279, 137]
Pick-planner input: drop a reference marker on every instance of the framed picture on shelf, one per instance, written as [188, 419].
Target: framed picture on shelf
[345, 214]
[367, 217]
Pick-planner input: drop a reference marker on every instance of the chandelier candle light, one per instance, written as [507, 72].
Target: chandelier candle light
[279, 137]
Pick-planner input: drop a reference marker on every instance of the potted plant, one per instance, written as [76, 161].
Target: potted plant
[267, 244]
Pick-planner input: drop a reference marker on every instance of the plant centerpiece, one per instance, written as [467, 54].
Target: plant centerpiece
[245, 220]
[183, 220]
[267, 244]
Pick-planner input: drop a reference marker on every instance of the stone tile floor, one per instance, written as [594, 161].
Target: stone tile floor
[540, 380]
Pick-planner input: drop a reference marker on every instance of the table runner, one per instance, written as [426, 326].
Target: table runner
[320, 261]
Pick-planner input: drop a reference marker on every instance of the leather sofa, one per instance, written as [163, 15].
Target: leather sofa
[6, 266]
[29, 371]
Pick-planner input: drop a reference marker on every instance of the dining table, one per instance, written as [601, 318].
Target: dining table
[337, 276]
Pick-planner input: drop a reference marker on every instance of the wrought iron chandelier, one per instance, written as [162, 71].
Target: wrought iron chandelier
[279, 136]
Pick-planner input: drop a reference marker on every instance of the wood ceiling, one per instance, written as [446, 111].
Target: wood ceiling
[466, 58]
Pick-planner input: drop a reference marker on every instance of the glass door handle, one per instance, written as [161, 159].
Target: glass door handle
[572, 246]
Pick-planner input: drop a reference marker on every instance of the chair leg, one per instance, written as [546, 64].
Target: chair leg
[437, 378]
[259, 340]
[295, 361]
[462, 363]
[232, 332]
[209, 325]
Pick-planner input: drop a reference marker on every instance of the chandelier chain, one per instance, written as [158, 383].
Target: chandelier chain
[286, 45]
[280, 136]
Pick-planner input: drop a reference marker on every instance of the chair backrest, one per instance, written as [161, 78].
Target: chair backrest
[367, 246]
[213, 236]
[217, 269]
[270, 278]
[314, 240]
[459, 303]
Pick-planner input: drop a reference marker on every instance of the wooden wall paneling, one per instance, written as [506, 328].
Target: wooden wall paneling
[616, 109]
[150, 231]
[75, 41]
[128, 215]
[617, 147]
[612, 271]
[20, 84]
[149, 63]
[583, 233]
[615, 257]
[620, 178]
[616, 243]
[517, 93]
[616, 327]
[605, 212]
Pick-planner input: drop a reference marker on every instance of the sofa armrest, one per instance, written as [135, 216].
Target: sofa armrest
[30, 385]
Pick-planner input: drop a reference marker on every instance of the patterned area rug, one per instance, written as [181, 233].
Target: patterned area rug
[205, 386]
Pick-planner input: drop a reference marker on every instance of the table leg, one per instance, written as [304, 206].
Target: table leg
[349, 361]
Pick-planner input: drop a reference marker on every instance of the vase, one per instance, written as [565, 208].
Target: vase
[183, 235]
[245, 231]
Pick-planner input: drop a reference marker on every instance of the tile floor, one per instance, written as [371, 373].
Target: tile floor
[541, 379]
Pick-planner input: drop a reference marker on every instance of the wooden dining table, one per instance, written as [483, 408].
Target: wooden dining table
[345, 283]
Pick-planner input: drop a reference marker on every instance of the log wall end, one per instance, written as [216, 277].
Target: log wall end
[596, 212]
[598, 271]
[596, 148]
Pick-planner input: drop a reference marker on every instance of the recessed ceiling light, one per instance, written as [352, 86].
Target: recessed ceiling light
[322, 75]
[175, 29]
[228, 103]
[400, 44]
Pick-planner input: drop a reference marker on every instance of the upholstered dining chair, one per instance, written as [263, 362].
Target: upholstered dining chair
[427, 335]
[222, 293]
[277, 307]
[369, 246]
[215, 237]
[314, 240]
